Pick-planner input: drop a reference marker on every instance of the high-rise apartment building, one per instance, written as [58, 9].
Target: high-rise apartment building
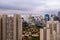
[0, 27]
[11, 27]
[53, 25]
[17, 27]
[45, 34]
[4, 27]
[54, 28]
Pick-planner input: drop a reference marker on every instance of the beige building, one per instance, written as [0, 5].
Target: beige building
[54, 35]
[41, 34]
[4, 27]
[11, 27]
[53, 25]
[44, 34]
[17, 27]
[54, 28]
[0, 27]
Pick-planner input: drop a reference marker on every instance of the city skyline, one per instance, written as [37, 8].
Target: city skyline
[15, 28]
[29, 19]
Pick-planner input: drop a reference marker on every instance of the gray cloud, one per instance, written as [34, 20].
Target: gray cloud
[20, 4]
[31, 6]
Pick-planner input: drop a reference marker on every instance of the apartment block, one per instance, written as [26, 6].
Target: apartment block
[53, 25]
[17, 27]
[0, 28]
[44, 34]
[4, 27]
[11, 27]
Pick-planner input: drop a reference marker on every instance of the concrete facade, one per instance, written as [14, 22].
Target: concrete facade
[11, 27]
[48, 34]
[0, 27]
[17, 27]
[45, 34]
[4, 27]
[41, 34]
[53, 25]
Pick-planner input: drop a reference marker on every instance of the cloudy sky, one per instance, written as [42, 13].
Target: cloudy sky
[30, 6]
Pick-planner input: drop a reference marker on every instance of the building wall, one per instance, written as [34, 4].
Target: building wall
[53, 25]
[48, 34]
[17, 27]
[4, 26]
[45, 34]
[0, 28]
[20, 28]
[41, 34]
[11, 27]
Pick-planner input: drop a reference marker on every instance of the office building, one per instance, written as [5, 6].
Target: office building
[59, 15]
[47, 17]
[41, 34]
[56, 18]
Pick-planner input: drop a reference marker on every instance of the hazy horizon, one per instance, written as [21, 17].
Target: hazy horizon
[36, 7]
